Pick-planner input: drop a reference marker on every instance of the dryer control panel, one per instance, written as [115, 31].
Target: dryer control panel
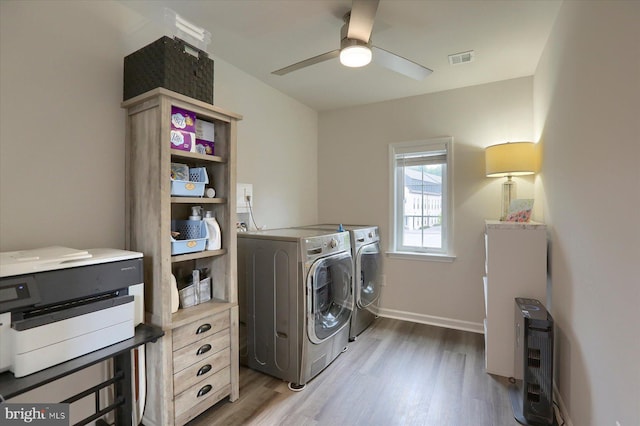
[323, 245]
[365, 235]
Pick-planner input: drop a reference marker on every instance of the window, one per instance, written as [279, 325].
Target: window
[421, 197]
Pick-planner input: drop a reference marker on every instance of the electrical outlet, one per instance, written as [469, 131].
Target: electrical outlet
[244, 195]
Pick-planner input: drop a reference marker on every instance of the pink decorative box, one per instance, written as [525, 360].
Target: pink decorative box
[184, 120]
[185, 141]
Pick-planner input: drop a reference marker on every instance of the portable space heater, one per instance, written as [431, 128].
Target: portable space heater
[532, 393]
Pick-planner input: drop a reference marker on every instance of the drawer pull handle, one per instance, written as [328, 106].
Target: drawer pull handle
[204, 390]
[204, 369]
[203, 349]
[203, 328]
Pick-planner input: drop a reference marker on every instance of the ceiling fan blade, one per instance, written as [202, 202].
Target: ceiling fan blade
[363, 13]
[399, 64]
[308, 62]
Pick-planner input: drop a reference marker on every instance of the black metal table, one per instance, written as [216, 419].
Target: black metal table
[10, 386]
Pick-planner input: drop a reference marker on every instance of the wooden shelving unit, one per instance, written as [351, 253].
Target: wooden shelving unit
[195, 364]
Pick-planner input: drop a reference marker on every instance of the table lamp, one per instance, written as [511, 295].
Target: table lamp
[508, 160]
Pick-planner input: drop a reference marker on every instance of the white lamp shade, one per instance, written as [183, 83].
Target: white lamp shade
[511, 159]
[355, 56]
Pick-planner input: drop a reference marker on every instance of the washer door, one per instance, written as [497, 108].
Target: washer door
[369, 267]
[329, 300]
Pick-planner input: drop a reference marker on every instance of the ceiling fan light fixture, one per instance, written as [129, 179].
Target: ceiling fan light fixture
[355, 53]
[356, 49]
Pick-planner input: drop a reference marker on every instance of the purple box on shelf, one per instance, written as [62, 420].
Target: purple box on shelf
[205, 147]
[185, 141]
[182, 119]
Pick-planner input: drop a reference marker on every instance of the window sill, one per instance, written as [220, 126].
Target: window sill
[430, 257]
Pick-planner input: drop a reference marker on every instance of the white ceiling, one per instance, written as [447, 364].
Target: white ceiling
[260, 36]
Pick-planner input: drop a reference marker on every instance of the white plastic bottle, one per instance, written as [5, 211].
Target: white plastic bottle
[195, 213]
[215, 236]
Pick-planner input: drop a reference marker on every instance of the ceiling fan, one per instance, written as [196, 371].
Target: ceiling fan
[356, 49]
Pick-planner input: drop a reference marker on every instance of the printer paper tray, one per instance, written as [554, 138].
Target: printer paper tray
[41, 347]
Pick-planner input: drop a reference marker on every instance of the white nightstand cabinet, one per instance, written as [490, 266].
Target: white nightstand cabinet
[515, 266]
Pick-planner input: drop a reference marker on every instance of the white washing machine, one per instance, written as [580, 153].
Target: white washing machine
[367, 278]
[295, 300]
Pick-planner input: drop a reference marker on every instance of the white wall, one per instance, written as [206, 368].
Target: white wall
[587, 111]
[277, 148]
[62, 133]
[354, 186]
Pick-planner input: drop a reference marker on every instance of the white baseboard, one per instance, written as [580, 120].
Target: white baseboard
[564, 414]
[430, 319]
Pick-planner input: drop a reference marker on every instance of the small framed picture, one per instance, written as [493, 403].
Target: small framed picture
[520, 210]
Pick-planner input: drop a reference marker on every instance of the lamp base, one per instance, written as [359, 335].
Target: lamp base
[508, 194]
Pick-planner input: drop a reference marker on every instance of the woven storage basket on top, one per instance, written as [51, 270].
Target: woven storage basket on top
[167, 63]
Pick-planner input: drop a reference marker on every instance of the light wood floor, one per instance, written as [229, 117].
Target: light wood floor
[396, 373]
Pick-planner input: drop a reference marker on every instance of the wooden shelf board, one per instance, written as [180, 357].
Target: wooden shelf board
[195, 156]
[192, 200]
[198, 255]
[194, 313]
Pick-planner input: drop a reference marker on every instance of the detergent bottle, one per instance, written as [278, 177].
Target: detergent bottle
[215, 237]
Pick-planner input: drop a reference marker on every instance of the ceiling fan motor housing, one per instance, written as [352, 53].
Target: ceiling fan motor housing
[354, 53]
[346, 41]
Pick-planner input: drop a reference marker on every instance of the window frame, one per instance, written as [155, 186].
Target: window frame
[396, 201]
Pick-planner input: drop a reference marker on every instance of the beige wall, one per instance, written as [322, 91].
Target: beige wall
[62, 128]
[587, 111]
[62, 135]
[277, 149]
[354, 186]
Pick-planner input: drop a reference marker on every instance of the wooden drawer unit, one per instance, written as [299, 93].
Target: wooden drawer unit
[201, 370]
[182, 336]
[199, 350]
[203, 395]
[201, 365]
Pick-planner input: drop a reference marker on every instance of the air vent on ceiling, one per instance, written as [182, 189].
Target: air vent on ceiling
[461, 58]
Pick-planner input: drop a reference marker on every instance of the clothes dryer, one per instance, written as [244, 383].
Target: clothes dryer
[295, 300]
[367, 278]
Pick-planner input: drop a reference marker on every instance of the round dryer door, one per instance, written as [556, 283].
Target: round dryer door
[329, 299]
[369, 271]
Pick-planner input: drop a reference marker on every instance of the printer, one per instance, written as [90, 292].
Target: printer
[58, 303]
